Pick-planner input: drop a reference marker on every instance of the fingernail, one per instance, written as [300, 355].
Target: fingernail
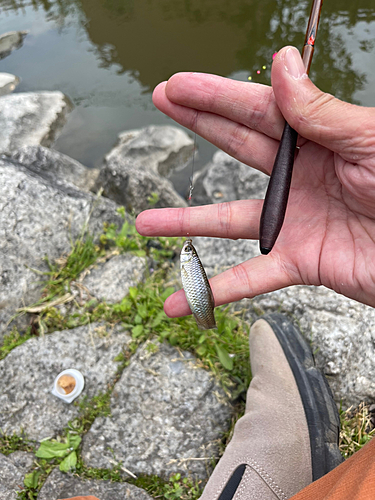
[294, 65]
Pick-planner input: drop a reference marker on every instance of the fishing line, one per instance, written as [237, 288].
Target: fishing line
[196, 286]
[191, 187]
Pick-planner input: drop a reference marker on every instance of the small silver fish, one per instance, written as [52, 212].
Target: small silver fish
[197, 288]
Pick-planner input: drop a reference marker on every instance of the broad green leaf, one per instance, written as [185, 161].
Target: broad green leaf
[201, 350]
[69, 462]
[125, 304]
[161, 316]
[173, 339]
[151, 293]
[74, 441]
[31, 480]
[133, 292]
[125, 229]
[137, 331]
[138, 320]
[202, 338]
[167, 292]
[142, 310]
[139, 253]
[127, 326]
[51, 449]
[224, 357]
[111, 233]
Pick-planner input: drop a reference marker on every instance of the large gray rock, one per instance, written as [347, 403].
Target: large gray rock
[219, 254]
[111, 281]
[136, 167]
[227, 179]
[55, 166]
[8, 83]
[10, 41]
[11, 479]
[342, 336]
[59, 485]
[28, 372]
[23, 460]
[31, 118]
[165, 413]
[37, 219]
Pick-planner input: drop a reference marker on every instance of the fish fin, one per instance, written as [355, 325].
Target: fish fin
[183, 270]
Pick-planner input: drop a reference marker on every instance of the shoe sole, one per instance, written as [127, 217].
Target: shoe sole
[320, 408]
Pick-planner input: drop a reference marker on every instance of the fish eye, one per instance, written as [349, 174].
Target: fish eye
[188, 248]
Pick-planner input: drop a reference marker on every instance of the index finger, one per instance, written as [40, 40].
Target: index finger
[234, 220]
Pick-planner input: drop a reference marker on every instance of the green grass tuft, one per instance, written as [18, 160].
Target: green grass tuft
[176, 488]
[356, 429]
[11, 443]
[12, 340]
[84, 253]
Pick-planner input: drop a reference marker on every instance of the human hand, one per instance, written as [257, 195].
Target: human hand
[329, 229]
[90, 497]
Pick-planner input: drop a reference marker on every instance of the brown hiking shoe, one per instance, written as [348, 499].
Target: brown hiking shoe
[288, 436]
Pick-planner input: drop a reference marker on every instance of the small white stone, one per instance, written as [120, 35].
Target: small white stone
[8, 83]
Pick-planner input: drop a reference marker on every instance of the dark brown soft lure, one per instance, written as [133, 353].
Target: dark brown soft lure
[197, 288]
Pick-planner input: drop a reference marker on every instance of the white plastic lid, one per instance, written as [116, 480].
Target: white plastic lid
[80, 384]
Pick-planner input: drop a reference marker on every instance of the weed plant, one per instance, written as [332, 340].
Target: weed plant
[356, 429]
[12, 443]
[12, 340]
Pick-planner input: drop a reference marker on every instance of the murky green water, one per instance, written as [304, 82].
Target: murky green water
[108, 55]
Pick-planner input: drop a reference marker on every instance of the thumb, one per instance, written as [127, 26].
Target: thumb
[317, 116]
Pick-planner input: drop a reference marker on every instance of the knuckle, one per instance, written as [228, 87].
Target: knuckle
[224, 217]
[314, 108]
[242, 277]
[237, 139]
[183, 217]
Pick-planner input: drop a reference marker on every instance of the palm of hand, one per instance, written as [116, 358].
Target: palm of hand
[328, 235]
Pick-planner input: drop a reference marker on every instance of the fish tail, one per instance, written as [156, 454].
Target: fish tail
[204, 325]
